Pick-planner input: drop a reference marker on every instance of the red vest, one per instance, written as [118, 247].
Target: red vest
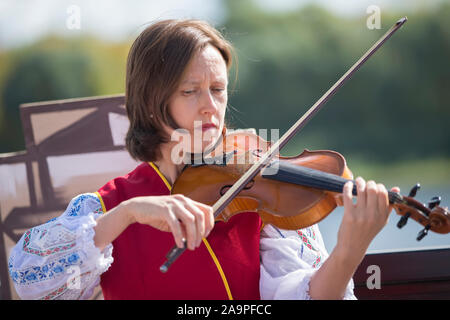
[229, 268]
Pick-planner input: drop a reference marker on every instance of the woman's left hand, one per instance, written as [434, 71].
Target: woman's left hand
[363, 220]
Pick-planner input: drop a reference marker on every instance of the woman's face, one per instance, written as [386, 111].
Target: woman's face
[198, 105]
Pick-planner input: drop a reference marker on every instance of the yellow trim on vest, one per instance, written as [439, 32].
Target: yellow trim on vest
[262, 227]
[219, 267]
[161, 175]
[101, 201]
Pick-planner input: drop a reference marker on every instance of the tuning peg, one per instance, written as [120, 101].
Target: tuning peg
[403, 220]
[423, 232]
[414, 190]
[435, 201]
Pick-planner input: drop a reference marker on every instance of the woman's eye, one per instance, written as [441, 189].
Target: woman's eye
[218, 89]
[188, 92]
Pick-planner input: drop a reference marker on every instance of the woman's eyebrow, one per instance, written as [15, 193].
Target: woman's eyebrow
[195, 81]
[221, 80]
[190, 81]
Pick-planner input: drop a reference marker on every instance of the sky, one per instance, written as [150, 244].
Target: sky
[25, 21]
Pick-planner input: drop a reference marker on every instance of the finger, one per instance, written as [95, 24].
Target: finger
[176, 229]
[188, 221]
[198, 210]
[361, 198]
[397, 190]
[383, 200]
[199, 220]
[347, 195]
[208, 214]
[372, 196]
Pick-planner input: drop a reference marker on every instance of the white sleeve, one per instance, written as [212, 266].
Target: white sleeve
[58, 259]
[288, 261]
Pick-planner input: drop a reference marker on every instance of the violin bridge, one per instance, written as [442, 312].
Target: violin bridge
[221, 160]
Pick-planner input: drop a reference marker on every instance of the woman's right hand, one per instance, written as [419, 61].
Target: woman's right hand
[185, 218]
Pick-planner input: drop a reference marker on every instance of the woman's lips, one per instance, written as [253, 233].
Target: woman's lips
[208, 126]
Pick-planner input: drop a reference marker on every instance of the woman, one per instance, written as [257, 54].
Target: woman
[177, 78]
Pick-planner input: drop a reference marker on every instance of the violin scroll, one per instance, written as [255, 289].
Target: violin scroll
[432, 217]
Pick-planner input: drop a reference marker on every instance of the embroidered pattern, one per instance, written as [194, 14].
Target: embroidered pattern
[45, 272]
[52, 295]
[76, 206]
[34, 249]
[61, 290]
[98, 211]
[306, 240]
[316, 263]
[40, 241]
[308, 244]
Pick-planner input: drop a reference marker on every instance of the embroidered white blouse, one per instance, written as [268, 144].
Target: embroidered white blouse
[58, 259]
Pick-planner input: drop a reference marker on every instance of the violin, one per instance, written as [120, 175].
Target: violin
[290, 192]
[243, 172]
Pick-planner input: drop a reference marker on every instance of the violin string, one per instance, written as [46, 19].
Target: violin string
[308, 177]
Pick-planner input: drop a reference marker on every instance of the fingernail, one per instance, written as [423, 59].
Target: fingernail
[183, 243]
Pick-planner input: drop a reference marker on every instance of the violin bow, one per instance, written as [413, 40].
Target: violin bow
[251, 173]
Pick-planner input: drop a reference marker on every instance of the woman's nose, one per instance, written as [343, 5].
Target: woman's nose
[208, 103]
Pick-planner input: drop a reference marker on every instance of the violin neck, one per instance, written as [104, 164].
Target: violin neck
[307, 177]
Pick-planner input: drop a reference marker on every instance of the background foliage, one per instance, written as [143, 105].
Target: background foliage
[394, 110]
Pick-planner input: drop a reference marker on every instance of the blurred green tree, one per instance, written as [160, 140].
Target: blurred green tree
[394, 108]
[40, 76]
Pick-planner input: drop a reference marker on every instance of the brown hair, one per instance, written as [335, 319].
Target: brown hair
[156, 62]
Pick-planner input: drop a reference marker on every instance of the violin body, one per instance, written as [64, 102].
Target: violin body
[285, 205]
